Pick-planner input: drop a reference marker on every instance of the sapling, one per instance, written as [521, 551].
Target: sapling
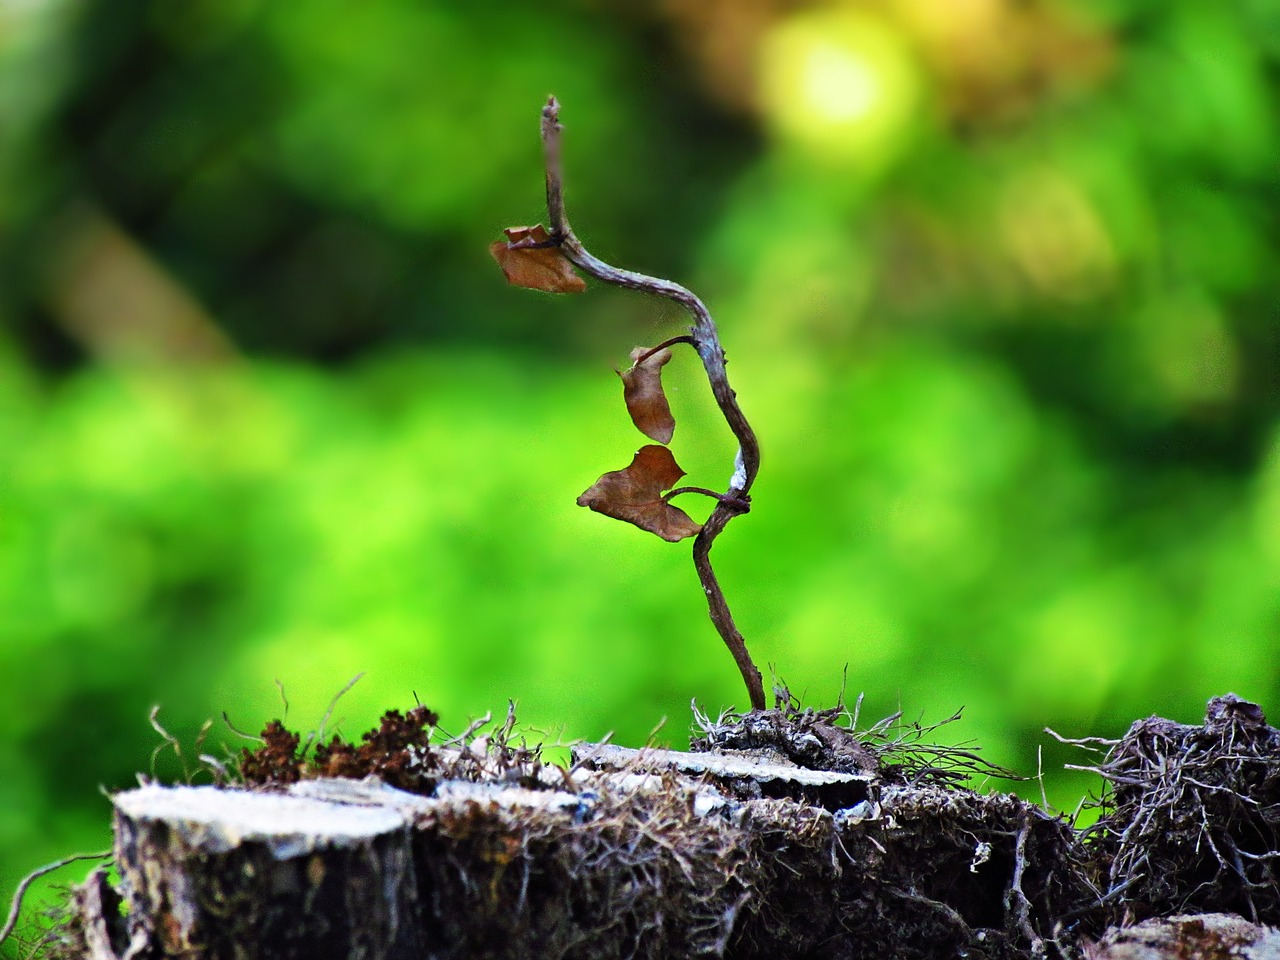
[641, 493]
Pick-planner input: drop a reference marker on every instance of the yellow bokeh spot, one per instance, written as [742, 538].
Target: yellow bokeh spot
[840, 84]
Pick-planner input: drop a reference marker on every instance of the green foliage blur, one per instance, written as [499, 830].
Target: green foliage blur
[997, 280]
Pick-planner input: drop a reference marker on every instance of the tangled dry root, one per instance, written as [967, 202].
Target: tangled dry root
[1191, 822]
[894, 749]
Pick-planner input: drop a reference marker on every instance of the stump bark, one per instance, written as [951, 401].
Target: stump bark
[223, 873]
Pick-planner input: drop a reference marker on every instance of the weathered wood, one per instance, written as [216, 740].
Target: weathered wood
[651, 854]
[1207, 935]
[235, 873]
[735, 774]
[97, 907]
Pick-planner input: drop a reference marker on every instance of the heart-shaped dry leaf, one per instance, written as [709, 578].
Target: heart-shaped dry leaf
[635, 495]
[539, 268]
[642, 390]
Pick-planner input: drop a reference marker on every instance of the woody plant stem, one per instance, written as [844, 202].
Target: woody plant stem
[706, 341]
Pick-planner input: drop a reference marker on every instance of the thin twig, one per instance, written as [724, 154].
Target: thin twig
[718, 607]
[1110, 897]
[706, 340]
[1096, 744]
[465, 736]
[947, 911]
[508, 725]
[15, 908]
[1016, 899]
[669, 342]
[742, 505]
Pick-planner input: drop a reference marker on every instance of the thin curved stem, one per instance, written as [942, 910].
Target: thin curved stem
[742, 505]
[706, 340]
[669, 342]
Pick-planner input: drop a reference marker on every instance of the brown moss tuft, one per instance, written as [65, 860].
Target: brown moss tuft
[276, 761]
[398, 750]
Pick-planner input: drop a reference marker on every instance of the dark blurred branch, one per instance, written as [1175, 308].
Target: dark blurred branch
[706, 340]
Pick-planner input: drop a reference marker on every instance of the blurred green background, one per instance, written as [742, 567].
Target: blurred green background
[997, 280]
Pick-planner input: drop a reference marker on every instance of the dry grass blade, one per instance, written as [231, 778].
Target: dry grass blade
[169, 741]
[244, 735]
[317, 736]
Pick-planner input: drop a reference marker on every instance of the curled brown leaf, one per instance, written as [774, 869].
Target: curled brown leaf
[642, 390]
[539, 268]
[634, 494]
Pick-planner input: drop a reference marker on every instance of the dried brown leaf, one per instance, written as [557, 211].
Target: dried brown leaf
[642, 390]
[539, 268]
[634, 494]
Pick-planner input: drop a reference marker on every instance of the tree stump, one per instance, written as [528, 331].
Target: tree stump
[642, 853]
[727, 852]
[227, 873]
